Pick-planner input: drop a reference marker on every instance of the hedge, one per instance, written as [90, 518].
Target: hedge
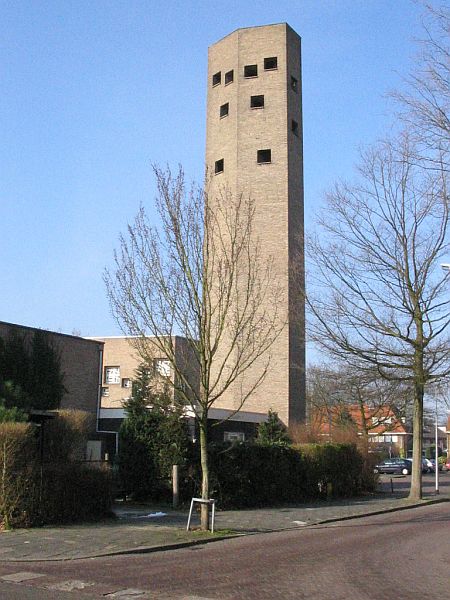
[248, 475]
[60, 491]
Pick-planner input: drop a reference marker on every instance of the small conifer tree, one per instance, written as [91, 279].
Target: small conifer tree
[272, 432]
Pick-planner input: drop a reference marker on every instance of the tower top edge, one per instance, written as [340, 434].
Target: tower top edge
[281, 24]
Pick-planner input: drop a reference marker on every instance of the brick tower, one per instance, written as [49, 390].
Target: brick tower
[254, 147]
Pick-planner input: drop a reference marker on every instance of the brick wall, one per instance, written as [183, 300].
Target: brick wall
[80, 364]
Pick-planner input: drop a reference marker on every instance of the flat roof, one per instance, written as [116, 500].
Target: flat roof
[66, 335]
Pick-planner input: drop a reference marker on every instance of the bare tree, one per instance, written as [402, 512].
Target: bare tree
[333, 388]
[200, 276]
[378, 296]
[425, 104]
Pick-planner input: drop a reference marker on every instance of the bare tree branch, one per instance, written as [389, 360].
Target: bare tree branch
[377, 295]
[199, 276]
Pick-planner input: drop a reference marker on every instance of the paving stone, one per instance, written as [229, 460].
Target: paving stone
[70, 585]
[21, 576]
[128, 594]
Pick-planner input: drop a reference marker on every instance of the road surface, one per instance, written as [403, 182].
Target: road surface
[400, 555]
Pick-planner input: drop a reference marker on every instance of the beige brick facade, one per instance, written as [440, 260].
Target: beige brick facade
[121, 360]
[275, 186]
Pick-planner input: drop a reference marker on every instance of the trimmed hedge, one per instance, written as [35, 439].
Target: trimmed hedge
[248, 475]
[74, 492]
[62, 491]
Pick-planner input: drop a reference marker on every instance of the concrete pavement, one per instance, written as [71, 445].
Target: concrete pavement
[146, 528]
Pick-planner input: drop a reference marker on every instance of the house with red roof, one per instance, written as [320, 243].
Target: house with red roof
[384, 430]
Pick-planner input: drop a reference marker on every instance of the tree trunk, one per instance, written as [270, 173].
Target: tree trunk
[415, 492]
[205, 472]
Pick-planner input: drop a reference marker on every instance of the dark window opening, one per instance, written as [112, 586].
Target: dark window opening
[294, 84]
[217, 78]
[224, 110]
[270, 63]
[251, 71]
[229, 77]
[256, 101]
[294, 127]
[218, 166]
[264, 156]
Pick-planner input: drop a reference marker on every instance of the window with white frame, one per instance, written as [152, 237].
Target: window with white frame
[126, 382]
[112, 375]
[162, 367]
[105, 392]
[234, 436]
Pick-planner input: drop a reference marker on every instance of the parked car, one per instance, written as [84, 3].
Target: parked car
[394, 465]
[433, 462]
[426, 468]
[446, 465]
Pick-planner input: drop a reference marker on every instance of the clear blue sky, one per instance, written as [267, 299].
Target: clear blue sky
[92, 92]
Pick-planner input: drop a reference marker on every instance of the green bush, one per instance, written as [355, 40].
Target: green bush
[73, 492]
[247, 475]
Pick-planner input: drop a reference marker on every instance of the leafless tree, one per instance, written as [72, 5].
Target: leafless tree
[377, 295]
[338, 386]
[199, 275]
[425, 102]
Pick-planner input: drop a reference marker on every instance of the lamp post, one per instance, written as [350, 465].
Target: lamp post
[445, 267]
[436, 453]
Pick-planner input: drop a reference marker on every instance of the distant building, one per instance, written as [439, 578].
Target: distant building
[429, 440]
[385, 431]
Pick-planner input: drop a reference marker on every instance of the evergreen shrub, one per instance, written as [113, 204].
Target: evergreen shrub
[247, 475]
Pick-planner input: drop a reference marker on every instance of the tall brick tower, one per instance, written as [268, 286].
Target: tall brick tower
[254, 147]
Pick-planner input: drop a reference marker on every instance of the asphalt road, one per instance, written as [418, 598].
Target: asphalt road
[400, 555]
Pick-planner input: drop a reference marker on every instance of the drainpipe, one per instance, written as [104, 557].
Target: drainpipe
[99, 399]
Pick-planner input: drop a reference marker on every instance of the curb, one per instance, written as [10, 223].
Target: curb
[191, 543]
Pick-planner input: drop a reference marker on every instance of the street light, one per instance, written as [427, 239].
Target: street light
[445, 267]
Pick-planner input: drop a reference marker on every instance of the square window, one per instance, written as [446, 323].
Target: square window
[264, 156]
[270, 63]
[224, 110]
[218, 166]
[217, 78]
[105, 392]
[229, 77]
[256, 101]
[112, 375]
[162, 367]
[294, 127]
[294, 84]
[251, 71]
[126, 382]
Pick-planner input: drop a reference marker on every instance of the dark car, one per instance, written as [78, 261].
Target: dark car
[427, 466]
[394, 465]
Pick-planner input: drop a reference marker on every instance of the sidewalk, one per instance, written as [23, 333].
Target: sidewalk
[140, 528]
